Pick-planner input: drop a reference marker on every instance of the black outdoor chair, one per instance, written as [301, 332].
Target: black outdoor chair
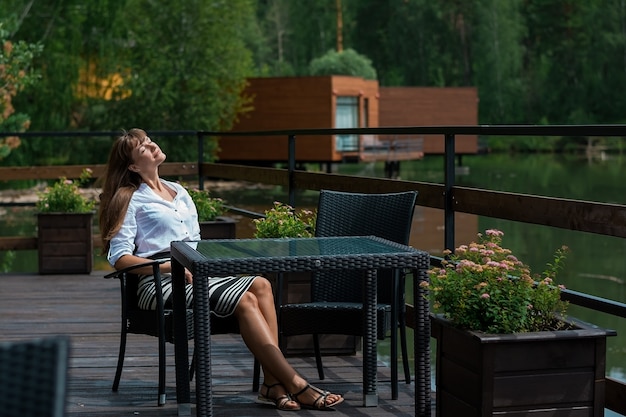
[159, 323]
[336, 305]
[34, 377]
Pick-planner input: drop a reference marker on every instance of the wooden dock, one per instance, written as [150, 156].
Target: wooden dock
[86, 308]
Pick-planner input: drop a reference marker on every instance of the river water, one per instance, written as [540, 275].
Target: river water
[595, 265]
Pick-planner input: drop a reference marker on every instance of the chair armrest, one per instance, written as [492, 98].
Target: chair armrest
[119, 272]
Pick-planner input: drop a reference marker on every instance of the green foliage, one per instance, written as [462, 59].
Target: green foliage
[209, 208]
[305, 30]
[484, 287]
[6, 261]
[498, 71]
[190, 72]
[523, 144]
[346, 62]
[183, 63]
[283, 221]
[64, 197]
[16, 73]
[415, 43]
[52, 103]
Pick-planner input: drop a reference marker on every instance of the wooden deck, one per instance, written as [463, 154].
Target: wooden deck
[86, 307]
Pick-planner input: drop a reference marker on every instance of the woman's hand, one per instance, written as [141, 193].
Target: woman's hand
[188, 276]
[167, 267]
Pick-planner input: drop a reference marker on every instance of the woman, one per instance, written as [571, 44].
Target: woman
[141, 214]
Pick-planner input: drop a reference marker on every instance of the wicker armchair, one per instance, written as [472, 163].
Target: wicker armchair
[336, 297]
[158, 323]
[34, 377]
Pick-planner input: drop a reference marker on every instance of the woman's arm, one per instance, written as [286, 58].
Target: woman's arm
[130, 260]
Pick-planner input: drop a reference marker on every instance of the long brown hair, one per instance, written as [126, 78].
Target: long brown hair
[119, 185]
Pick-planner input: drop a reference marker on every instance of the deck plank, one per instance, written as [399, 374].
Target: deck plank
[86, 308]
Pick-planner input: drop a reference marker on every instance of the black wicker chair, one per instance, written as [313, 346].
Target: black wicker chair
[34, 377]
[159, 323]
[336, 297]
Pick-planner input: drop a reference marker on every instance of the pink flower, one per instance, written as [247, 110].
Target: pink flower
[485, 296]
[494, 232]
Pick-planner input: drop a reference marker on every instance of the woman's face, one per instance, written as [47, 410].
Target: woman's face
[146, 156]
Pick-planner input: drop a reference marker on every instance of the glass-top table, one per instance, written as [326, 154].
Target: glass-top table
[261, 256]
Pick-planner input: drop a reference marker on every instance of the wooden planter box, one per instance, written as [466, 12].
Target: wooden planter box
[220, 228]
[559, 373]
[65, 243]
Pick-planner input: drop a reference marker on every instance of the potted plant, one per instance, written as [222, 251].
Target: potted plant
[210, 210]
[64, 227]
[504, 344]
[282, 220]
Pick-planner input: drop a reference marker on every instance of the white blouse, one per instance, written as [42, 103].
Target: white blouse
[152, 223]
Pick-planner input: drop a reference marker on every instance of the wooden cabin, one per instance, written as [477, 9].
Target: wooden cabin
[431, 106]
[302, 103]
[283, 103]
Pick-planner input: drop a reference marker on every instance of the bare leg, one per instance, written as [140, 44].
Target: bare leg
[259, 330]
[262, 290]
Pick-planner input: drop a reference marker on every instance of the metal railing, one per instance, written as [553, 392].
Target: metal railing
[585, 216]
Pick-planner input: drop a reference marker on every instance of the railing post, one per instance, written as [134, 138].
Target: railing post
[291, 167]
[448, 204]
[200, 160]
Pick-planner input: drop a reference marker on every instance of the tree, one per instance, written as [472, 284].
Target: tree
[185, 64]
[310, 33]
[498, 56]
[113, 64]
[73, 34]
[346, 62]
[16, 73]
[270, 42]
[575, 62]
[415, 42]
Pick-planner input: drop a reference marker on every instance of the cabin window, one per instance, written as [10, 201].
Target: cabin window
[366, 112]
[347, 116]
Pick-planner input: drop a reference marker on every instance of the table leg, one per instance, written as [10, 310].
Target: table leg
[370, 394]
[181, 347]
[421, 343]
[202, 345]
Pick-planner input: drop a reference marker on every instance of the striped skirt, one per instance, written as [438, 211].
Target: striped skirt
[224, 292]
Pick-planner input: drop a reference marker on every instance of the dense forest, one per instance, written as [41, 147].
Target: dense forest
[182, 64]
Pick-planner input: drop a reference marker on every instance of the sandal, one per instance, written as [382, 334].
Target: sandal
[279, 402]
[320, 401]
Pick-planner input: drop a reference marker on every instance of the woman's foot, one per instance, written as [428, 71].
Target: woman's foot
[277, 395]
[317, 399]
